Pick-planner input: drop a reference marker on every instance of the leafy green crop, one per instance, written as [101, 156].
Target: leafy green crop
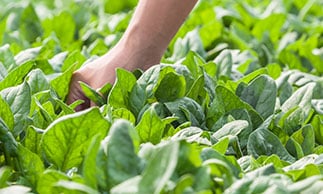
[236, 106]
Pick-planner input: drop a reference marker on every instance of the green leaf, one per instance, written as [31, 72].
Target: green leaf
[91, 94]
[32, 139]
[222, 145]
[9, 144]
[151, 128]
[191, 42]
[292, 120]
[304, 184]
[272, 24]
[7, 58]
[171, 87]
[304, 167]
[305, 137]
[272, 159]
[44, 65]
[194, 135]
[123, 113]
[49, 48]
[48, 180]
[294, 148]
[129, 186]
[274, 70]
[261, 95]
[98, 47]
[73, 133]
[31, 165]
[318, 149]
[317, 124]
[88, 172]
[189, 158]
[264, 142]
[16, 76]
[225, 101]
[74, 57]
[41, 111]
[105, 90]
[144, 89]
[37, 81]
[61, 83]
[19, 99]
[63, 25]
[231, 167]
[3, 22]
[210, 32]
[111, 6]
[318, 105]
[5, 173]
[119, 95]
[187, 109]
[210, 100]
[231, 129]
[30, 27]
[3, 71]
[193, 61]
[253, 75]
[160, 168]
[274, 183]
[221, 171]
[6, 114]
[242, 114]
[302, 98]
[28, 55]
[117, 160]
[285, 91]
[183, 183]
[224, 63]
[196, 88]
[57, 60]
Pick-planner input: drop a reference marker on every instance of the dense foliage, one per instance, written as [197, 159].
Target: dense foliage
[235, 107]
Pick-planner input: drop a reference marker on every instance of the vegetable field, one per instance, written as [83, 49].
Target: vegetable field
[236, 105]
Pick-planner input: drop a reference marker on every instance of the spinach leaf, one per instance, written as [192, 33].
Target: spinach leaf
[73, 134]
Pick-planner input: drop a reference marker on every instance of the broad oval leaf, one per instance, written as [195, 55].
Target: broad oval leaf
[151, 127]
[264, 142]
[261, 95]
[160, 167]
[226, 101]
[171, 87]
[232, 128]
[6, 113]
[302, 98]
[19, 99]
[117, 160]
[120, 92]
[67, 139]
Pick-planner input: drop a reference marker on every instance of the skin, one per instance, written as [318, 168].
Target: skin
[154, 24]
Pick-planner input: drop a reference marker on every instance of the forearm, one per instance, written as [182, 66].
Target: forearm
[155, 22]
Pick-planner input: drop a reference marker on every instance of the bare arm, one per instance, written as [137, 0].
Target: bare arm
[154, 24]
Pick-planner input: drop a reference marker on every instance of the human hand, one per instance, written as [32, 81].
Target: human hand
[102, 70]
[95, 74]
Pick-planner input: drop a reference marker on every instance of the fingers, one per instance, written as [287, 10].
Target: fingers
[76, 93]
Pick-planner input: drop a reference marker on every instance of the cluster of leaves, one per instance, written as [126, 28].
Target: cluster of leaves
[235, 107]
